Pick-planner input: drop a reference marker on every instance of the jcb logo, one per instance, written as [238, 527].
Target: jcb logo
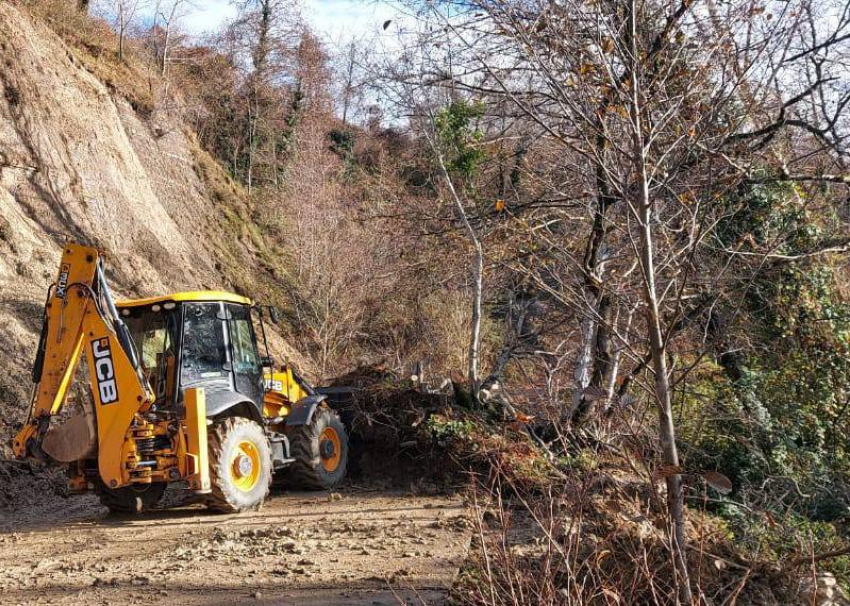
[273, 385]
[62, 283]
[104, 371]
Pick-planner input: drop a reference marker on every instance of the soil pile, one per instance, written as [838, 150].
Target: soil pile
[403, 435]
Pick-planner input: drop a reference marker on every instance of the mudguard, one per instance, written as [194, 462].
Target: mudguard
[302, 412]
[219, 402]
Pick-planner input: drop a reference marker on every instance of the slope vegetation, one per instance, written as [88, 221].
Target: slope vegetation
[78, 162]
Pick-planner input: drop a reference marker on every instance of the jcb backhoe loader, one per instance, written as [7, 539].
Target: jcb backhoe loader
[180, 393]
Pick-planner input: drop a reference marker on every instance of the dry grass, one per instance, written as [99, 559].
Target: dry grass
[595, 533]
[244, 237]
[94, 45]
[573, 546]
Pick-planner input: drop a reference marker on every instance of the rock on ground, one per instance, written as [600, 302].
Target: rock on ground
[367, 547]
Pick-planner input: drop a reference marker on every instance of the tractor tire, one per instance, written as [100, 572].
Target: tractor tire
[240, 465]
[320, 450]
[131, 499]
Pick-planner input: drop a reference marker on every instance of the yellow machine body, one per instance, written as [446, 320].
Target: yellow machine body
[147, 437]
[193, 296]
[76, 323]
[283, 389]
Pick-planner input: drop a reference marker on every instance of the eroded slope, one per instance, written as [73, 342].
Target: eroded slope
[76, 161]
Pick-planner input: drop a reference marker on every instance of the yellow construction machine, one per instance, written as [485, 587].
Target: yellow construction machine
[179, 393]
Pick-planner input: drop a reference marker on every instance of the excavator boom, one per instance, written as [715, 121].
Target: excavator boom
[80, 317]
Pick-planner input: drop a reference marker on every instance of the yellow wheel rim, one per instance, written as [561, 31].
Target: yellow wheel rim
[330, 449]
[245, 466]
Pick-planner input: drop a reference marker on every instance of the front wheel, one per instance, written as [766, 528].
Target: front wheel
[320, 450]
[240, 465]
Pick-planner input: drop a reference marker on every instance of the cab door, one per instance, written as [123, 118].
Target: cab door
[247, 371]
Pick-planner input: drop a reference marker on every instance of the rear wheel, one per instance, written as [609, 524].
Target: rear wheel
[132, 499]
[320, 450]
[240, 465]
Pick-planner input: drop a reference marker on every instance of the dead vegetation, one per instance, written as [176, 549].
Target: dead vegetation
[94, 45]
[597, 535]
[571, 521]
[350, 229]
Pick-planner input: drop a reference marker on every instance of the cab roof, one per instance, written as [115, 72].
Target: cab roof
[182, 297]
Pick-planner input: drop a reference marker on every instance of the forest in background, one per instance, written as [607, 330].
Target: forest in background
[619, 229]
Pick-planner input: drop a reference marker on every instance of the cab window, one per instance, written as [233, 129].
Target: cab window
[154, 334]
[204, 351]
[246, 362]
[245, 358]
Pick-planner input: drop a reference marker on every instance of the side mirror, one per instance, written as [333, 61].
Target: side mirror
[267, 362]
[274, 315]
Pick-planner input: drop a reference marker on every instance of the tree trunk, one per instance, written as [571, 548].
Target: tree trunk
[475, 333]
[603, 344]
[166, 39]
[584, 368]
[252, 139]
[667, 431]
[596, 358]
[349, 82]
[594, 365]
[657, 345]
[260, 55]
[477, 279]
[614, 369]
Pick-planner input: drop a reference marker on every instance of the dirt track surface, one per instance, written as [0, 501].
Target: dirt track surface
[311, 549]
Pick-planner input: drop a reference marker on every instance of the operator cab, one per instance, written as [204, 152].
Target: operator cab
[197, 339]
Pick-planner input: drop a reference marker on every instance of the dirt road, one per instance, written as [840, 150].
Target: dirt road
[359, 547]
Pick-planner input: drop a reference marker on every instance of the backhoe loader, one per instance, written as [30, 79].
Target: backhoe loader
[179, 393]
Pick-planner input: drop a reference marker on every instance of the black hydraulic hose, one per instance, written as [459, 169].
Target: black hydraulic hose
[91, 294]
[122, 333]
[303, 383]
[38, 365]
[121, 330]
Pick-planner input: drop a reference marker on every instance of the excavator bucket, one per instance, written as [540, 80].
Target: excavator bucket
[73, 440]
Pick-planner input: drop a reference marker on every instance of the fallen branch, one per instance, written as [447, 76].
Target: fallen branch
[828, 555]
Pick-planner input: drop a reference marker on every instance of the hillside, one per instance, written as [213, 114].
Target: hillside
[585, 262]
[77, 162]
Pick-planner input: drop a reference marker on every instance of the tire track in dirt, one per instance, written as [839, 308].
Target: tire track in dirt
[361, 548]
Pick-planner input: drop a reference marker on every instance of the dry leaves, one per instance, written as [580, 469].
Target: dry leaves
[665, 471]
[718, 481]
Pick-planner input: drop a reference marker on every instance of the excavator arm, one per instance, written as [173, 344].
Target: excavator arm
[80, 317]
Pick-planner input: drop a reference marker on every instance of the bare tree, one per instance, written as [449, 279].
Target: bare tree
[658, 112]
[166, 15]
[477, 272]
[123, 15]
[351, 78]
[265, 36]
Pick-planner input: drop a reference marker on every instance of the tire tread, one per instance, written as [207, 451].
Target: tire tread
[127, 501]
[223, 498]
[306, 471]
